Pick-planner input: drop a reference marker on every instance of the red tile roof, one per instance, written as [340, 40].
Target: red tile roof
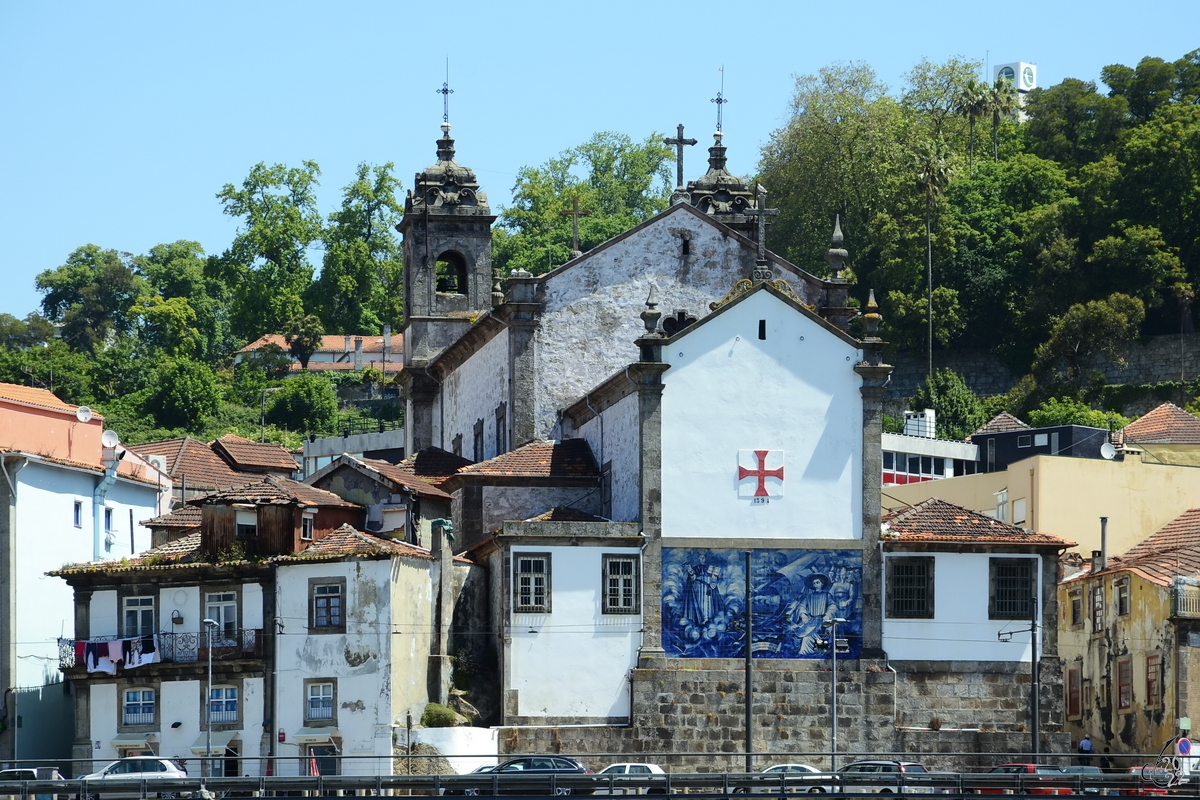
[346, 541]
[273, 490]
[937, 521]
[404, 477]
[249, 454]
[433, 464]
[571, 458]
[1179, 533]
[566, 514]
[39, 398]
[1167, 424]
[183, 517]
[334, 343]
[1001, 423]
[1173, 550]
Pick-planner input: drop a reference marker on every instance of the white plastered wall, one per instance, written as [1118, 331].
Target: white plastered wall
[619, 444]
[472, 392]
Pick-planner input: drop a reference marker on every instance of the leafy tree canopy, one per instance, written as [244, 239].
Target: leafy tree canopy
[304, 403]
[959, 413]
[1069, 411]
[92, 296]
[1098, 326]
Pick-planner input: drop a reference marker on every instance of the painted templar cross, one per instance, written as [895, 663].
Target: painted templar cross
[575, 214]
[762, 473]
[678, 142]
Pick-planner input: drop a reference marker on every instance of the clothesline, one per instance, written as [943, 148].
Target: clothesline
[108, 656]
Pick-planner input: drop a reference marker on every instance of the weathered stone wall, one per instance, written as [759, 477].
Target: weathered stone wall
[692, 719]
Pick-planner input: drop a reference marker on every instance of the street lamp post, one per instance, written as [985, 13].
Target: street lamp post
[833, 648]
[209, 624]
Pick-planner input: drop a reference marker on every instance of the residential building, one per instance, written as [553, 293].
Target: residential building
[68, 494]
[337, 353]
[1167, 434]
[198, 468]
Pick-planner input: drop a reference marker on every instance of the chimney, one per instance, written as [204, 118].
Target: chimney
[347, 345]
[1097, 561]
[357, 353]
[1103, 542]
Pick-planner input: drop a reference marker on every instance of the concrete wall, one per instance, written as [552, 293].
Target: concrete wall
[472, 392]
[613, 437]
[1067, 496]
[717, 403]
[504, 503]
[573, 661]
[960, 629]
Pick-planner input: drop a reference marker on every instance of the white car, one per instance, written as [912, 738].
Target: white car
[784, 775]
[132, 769]
[631, 772]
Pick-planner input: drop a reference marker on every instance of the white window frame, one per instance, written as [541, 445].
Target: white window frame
[139, 699]
[137, 608]
[223, 704]
[222, 608]
[318, 701]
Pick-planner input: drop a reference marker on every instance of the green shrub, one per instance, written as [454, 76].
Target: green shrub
[437, 715]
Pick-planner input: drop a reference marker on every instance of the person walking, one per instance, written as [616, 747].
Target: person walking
[1085, 750]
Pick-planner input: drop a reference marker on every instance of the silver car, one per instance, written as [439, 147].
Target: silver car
[130, 771]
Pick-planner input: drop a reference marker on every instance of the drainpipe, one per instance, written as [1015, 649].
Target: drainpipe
[8, 600]
[1103, 543]
[102, 487]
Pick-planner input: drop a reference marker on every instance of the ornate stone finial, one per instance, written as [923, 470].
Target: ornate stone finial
[445, 145]
[837, 255]
[872, 318]
[651, 315]
[716, 154]
[497, 294]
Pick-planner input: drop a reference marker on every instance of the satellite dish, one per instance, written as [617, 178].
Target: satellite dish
[83, 414]
[110, 439]
[1107, 451]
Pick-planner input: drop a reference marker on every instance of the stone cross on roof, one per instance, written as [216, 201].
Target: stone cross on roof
[762, 212]
[575, 214]
[678, 143]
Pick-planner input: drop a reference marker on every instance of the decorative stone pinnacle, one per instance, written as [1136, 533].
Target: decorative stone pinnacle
[651, 315]
[837, 255]
[445, 145]
[872, 318]
[497, 294]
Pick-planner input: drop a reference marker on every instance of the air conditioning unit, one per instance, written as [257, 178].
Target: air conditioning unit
[158, 462]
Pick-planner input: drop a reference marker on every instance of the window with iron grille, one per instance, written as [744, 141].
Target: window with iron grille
[909, 587]
[138, 707]
[531, 582]
[223, 704]
[319, 704]
[1153, 669]
[621, 585]
[1074, 686]
[1098, 607]
[1124, 683]
[1122, 597]
[1013, 582]
[138, 616]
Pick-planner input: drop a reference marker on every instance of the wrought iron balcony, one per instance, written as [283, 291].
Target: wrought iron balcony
[178, 648]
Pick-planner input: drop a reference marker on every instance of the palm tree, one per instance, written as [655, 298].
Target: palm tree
[972, 103]
[1001, 100]
[933, 173]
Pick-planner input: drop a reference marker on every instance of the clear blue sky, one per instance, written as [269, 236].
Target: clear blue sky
[121, 120]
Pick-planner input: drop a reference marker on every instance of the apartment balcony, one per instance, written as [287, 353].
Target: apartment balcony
[176, 648]
[1185, 601]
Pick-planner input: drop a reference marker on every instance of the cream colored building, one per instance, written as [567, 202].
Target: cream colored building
[1067, 496]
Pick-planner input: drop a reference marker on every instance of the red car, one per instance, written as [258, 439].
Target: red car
[1024, 778]
[1140, 787]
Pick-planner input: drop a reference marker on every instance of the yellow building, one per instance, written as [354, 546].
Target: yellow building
[1168, 435]
[1067, 496]
[1129, 640]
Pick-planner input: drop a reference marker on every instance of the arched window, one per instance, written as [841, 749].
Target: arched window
[451, 273]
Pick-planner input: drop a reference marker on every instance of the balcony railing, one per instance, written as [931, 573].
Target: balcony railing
[179, 648]
[1185, 601]
[142, 718]
[224, 716]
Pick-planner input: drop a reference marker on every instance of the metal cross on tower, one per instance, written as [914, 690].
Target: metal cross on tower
[678, 143]
[720, 99]
[445, 92]
[575, 214]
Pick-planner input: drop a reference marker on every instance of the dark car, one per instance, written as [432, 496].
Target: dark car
[1025, 779]
[525, 775]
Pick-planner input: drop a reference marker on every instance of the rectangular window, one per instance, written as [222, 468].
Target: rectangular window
[531, 582]
[245, 531]
[108, 519]
[888, 460]
[1123, 597]
[1097, 608]
[1076, 610]
[1041, 439]
[501, 428]
[1002, 505]
[914, 465]
[456, 444]
[1013, 582]
[1024, 441]
[478, 441]
[939, 467]
[221, 608]
[1074, 684]
[606, 490]
[327, 606]
[138, 708]
[1124, 683]
[138, 616]
[1153, 668]
[991, 455]
[910, 587]
[319, 705]
[78, 513]
[622, 593]
[306, 529]
[223, 704]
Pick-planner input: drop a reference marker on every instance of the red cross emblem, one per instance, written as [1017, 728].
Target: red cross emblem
[760, 465]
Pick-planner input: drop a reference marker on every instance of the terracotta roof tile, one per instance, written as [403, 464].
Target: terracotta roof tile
[194, 461]
[273, 490]
[1002, 423]
[936, 520]
[1167, 424]
[404, 477]
[566, 514]
[175, 549]
[40, 398]
[571, 458]
[183, 517]
[249, 454]
[346, 541]
[1179, 533]
[433, 464]
[334, 343]
[1173, 550]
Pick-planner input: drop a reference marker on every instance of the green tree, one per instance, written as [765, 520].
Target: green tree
[182, 270]
[55, 366]
[268, 260]
[93, 296]
[621, 182]
[972, 103]
[305, 403]
[933, 92]
[1000, 101]
[169, 326]
[933, 173]
[303, 338]
[1072, 123]
[182, 394]
[361, 283]
[1098, 326]
[1069, 411]
[19, 334]
[959, 412]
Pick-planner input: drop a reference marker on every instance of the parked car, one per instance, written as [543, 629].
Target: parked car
[131, 770]
[1090, 782]
[1024, 779]
[785, 775]
[633, 773]
[525, 775]
[1136, 783]
[24, 774]
[883, 777]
